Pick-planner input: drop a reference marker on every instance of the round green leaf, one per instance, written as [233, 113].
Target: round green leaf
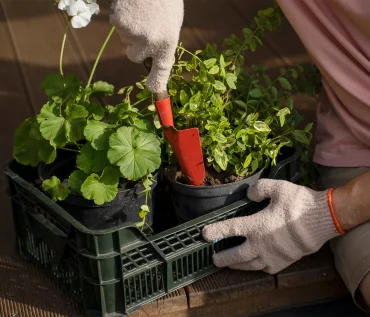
[101, 89]
[256, 93]
[98, 134]
[30, 148]
[135, 152]
[90, 160]
[76, 179]
[101, 189]
[55, 189]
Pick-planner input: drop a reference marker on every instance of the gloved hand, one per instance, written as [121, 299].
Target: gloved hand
[151, 29]
[297, 222]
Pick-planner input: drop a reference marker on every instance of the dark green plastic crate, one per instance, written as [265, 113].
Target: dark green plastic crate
[114, 272]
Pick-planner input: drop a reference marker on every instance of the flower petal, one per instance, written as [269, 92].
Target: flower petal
[63, 4]
[81, 20]
[77, 8]
[94, 8]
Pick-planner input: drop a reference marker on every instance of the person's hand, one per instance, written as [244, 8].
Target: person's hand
[297, 222]
[151, 28]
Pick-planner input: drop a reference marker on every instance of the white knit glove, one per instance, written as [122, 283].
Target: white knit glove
[152, 29]
[297, 222]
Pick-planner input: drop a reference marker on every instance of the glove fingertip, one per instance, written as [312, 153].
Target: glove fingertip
[211, 234]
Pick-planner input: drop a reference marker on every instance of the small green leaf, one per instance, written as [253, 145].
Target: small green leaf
[294, 73]
[55, 189]
[216, 100]
[210, 62]
[101, 189]
[267, 79]
[274, 92]
[254, 165]
[218, 137]
[144, 210]
[256, 93]
[90, 160]
[214, 70]
[308, 127]
[75, 181]
[290, 102]
[184, 99]
[301, 137]
[284, 83]
[247, 161]
[221, 158]
[241, 104]
[135, 152]
[219, 85]
[283, 112]
[247, 33]
[151, 108]
[222, 61]
[101, 89]
[98, 134]
[157, 122]
[207, 90]
[261, 126]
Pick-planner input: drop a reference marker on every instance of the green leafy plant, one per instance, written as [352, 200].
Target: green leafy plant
[115, 146]
[244, 117]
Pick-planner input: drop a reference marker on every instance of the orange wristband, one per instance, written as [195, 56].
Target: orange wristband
[332, 212]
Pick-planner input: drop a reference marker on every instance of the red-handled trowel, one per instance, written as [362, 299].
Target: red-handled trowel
[184, 143]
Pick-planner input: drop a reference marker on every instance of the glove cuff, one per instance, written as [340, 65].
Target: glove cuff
[319, 218]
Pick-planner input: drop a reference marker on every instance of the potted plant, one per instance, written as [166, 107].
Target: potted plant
[96, 160]
[246, 119]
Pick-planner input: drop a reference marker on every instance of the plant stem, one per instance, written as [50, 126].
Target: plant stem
[71, 150]
[62, 49]
[99, 55]
[185, 50]
[140, 101]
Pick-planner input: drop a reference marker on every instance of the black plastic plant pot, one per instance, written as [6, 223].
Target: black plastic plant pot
[123, 209]
[191, 202]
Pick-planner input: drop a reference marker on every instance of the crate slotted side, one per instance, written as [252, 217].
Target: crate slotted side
[114, 272]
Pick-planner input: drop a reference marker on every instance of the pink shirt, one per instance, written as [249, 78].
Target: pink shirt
[336, 34]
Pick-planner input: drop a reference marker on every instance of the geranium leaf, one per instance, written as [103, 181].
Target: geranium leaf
[98, 134]
[95, 110]
[135, 152]
[101, 89]
[90, 160]
[30, 148]
[76, 179]
[101, 189]
[53, 85]
[55, 189]
[52, 124]
[75, 121]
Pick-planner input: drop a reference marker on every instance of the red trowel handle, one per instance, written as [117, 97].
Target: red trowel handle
[165, 112]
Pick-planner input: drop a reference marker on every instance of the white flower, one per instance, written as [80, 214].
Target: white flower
[94, 7]
[63, 4]
[80, 13]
